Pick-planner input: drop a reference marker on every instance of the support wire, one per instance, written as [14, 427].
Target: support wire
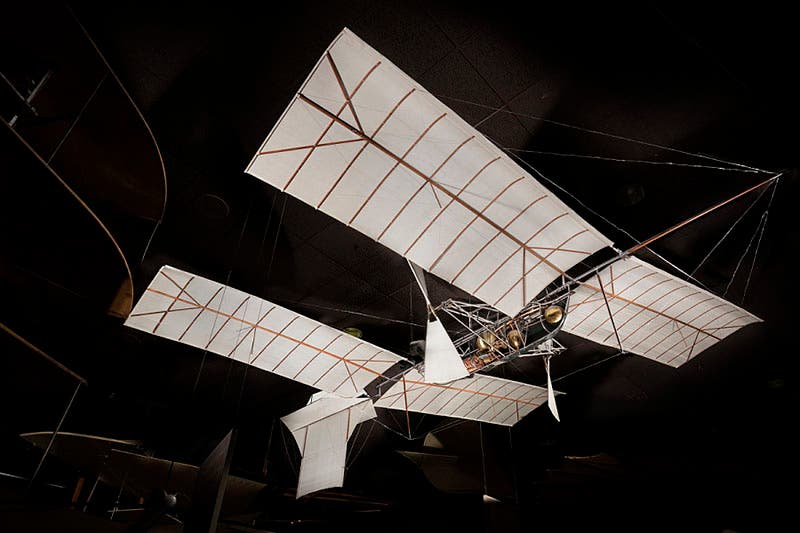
[758, 244]
[604, 134]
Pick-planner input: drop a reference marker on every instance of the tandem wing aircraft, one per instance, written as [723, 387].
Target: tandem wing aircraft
[364, 143]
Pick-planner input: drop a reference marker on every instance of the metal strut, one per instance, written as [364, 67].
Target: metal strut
[610, 314]
[623, 254]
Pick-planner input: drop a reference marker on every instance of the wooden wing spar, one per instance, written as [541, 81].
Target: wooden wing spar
[655, 314]
[199, 312]
[321, 430]
[481, 398]
[366, 144]
[209, 315]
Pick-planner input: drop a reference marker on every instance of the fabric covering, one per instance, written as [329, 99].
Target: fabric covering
[366, 144]
[482, 398]
[442, 361]
[656, 314]
[226, 321]
[321, 430]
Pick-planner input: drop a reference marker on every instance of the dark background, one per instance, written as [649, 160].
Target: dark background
[705, 447]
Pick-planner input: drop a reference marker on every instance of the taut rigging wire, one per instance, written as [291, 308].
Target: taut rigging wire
[744, 213]
[758, 244]
[636, 161]
[605, 219]
[605, 134]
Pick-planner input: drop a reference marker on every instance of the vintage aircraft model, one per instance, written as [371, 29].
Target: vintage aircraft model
[367, 145]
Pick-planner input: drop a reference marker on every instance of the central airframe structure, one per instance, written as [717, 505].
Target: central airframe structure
[364, 143]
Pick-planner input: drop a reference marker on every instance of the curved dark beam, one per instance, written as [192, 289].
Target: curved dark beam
[118, 298]
[133, 105]
[83, 122]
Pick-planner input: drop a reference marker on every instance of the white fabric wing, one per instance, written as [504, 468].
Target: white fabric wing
[321, 430]
[482, 398]
[366, 144]
[419, 276]
[223, 320]
[551, 393]
[442, 361]
[657, 315]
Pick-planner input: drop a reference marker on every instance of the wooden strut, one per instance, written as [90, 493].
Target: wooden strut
[651, 240]
[342, 359]
[41, 353]
[128, 306]
[405, 398]
[616, 295]
[53, 437]
[427, 179]
[640, 311]
[610, 314]
[132, 102]
[689, 220]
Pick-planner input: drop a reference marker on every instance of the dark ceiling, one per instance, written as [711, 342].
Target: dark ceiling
[705, 447]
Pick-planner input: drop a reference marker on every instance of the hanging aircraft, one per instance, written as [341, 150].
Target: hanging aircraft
[364, 143]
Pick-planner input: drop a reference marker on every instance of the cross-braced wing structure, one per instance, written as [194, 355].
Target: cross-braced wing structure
[655, 314]
[366, 144]
[226, 321]
[481, 398]
[193, 310]
[321, 430]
